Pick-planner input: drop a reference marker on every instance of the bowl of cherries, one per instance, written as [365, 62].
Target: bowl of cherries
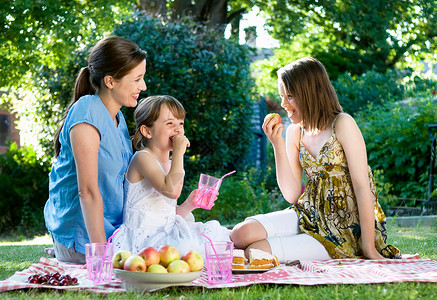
[54, 279]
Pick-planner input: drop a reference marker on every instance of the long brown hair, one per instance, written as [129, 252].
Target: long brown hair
[307, 81]
[147, 112]
[113, 56]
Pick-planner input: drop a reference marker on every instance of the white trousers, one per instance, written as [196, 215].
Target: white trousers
[286, 240]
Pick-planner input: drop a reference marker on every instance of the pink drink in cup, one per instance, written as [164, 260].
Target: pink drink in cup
[208, 190]
[219, 262]
[99, 263]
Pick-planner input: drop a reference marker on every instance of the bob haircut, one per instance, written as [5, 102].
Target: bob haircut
[307, 81]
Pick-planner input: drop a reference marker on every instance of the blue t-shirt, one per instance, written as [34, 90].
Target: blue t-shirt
[62, 212]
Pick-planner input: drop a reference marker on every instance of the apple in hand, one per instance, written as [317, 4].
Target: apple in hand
[156, 268]
[135, 263]
[119, 258]
[178, 266]
[194, 260]
[168, 254]
[273, 117]
[150, 255]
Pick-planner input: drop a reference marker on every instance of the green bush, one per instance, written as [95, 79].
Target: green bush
[398, 143]
[211, 77]
[24, 186]
[384, 191]
[420, 86]
[355, 93]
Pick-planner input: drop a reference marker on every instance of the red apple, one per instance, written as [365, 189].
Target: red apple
[194, 260]
[156, 269]
[178, 266]
[150, 255]
[168, 254]
[135, 263]
[119, 258]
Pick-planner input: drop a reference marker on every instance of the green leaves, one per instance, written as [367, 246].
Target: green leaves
[45, 33]
[357, 35]
[397, 141]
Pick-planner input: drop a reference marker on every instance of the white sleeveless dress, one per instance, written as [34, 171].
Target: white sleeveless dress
[150, 219]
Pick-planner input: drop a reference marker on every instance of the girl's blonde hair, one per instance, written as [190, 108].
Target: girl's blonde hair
[147, 112]
[307, 81]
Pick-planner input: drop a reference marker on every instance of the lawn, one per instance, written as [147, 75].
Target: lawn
[17, 255]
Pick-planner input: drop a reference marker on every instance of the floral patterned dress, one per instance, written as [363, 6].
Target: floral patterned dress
[328, 211]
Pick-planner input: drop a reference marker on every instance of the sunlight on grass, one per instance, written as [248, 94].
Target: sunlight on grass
[411, 240]
[38, 240]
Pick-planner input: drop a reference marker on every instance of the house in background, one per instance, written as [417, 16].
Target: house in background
[8, 130]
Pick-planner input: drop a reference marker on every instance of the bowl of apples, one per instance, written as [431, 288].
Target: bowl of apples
[152, 269]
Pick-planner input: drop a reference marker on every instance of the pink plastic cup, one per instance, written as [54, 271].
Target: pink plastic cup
[219, 262]
[99, 262]
[208, 191]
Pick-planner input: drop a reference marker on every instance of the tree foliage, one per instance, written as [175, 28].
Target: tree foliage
[356, 35]
[46, 33]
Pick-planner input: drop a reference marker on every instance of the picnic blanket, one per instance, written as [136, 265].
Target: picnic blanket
[335, 271]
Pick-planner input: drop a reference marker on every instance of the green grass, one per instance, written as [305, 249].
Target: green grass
[17, 256]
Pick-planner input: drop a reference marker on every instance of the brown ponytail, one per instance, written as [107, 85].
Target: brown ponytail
[137, 140]
[82, 87]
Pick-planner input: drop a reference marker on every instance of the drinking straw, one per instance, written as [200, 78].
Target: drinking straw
[215, 252]
[104, 254]
[109, 240]
[223, 177]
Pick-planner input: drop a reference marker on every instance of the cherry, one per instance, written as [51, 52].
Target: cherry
[73, 280]
[64, 282]
[54, 279]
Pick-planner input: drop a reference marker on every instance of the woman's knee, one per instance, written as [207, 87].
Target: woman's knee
[247, 232]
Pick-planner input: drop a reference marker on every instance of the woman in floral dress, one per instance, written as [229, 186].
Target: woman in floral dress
[338, 215]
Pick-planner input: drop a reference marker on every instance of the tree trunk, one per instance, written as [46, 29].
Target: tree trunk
[153, 7]
[181, 8]
[218, 14]
[213, 11]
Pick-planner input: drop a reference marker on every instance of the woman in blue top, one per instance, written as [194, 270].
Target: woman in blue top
[93, 149]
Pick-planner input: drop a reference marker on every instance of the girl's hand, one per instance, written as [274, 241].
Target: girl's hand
[273, 130]
[180, 143]
[376, 255]
[372, 254]
[188, 205]
[191, 200]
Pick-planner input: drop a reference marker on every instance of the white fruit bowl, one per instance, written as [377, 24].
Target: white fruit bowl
[144, 281]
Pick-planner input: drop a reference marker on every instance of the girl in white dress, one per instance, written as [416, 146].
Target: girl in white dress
[153, 183]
